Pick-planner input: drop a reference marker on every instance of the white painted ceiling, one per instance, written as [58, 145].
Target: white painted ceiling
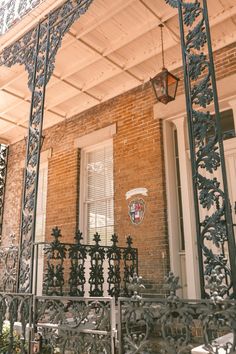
[113, 48]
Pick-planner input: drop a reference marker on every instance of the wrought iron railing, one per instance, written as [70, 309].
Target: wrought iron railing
[153, 326]
[74, 269]
[79, 325]
[11, 11]
[172, 325]
[46, 325]
[74, 325]
[8, 267]
[79, 269]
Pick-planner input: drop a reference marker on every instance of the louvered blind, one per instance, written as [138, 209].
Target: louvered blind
[99, 193]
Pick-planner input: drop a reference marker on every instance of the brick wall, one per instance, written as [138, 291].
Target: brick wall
[138, 162]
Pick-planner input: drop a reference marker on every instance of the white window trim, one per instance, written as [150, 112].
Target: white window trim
[97, 136]
[83, 179]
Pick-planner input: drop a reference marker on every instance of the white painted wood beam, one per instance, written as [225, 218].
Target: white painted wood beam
[120, 5]
[8, 120]
[137, 33]
[120, 43]
[22, 99]
[111, 61]
[15, 78]
[172, 32]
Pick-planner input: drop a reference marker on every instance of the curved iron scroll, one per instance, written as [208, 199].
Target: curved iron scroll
[216, 243]
[65, 270]
[3, 175]
[36, 50]
[77, 256]
[172, 325]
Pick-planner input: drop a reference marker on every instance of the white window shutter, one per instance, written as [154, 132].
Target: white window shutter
[99, 192]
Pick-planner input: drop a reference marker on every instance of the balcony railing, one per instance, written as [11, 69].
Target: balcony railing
[79, 325]
[74, 269]
[11, 11]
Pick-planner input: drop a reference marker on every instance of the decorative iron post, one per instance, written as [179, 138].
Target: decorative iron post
[37, 50]
[216, 242]
[3, 175]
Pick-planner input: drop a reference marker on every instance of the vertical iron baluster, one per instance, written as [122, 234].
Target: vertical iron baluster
[77, 256]
[54, 272]
[114, 277]
[130, 264]
[96, 277]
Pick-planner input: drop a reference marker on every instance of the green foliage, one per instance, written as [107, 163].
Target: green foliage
[5, 341]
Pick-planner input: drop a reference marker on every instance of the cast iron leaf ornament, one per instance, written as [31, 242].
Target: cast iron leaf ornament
[77, 256]
[114, 258]
[214, 224]
[172, 285]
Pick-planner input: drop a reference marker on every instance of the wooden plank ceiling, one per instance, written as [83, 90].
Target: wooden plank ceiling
[113, 48]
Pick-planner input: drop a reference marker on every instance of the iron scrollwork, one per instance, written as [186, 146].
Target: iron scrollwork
[216, 243]
[56, 254]
[77, 325]
[8, 263]
[36, 50]
[114, 277]
[77, 256]
[130, 264]
[173, 325]
[67, 265]
[3, 174]
[97, 256]
[11, 11]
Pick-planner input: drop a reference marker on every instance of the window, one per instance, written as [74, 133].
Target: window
[96, 192]
[227, 125]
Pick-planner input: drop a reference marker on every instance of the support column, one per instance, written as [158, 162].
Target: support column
[214, 229]
[3, 176]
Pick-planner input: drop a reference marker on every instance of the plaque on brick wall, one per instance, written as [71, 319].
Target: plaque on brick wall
[136, 211]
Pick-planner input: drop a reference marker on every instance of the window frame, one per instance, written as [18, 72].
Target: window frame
[83, 226]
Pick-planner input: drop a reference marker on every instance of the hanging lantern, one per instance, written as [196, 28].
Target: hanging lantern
[164, 84]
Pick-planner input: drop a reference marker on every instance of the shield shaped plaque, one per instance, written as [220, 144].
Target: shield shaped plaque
[136, 211]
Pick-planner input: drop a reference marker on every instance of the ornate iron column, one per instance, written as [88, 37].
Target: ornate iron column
[37, 50]
[3, 175]
[215, 234]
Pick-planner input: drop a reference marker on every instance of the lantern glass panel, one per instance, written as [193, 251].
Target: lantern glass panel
[160, 86]
[172, 86]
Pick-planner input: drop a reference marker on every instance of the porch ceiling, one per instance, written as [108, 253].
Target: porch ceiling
[114, 47]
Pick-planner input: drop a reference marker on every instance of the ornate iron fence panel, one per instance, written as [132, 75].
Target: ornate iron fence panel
[172, 325]
[66, 266]
[15, 323]
[8, 267]
[154, 325]
[3, 175]
[215, 232]
[75, 325]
